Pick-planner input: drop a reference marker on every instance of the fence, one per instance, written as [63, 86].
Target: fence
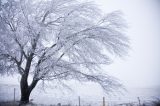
[12, 93]
[9, 93]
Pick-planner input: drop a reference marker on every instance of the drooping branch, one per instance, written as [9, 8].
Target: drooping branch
[60, 40]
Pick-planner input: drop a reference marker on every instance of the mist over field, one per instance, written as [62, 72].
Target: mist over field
[89, 93]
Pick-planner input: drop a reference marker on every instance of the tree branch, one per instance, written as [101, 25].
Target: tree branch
[20, 69]
[21, 47]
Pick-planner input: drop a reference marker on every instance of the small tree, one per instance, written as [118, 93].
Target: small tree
[58, 40]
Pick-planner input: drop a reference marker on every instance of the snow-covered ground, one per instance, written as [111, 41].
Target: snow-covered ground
[89, 94]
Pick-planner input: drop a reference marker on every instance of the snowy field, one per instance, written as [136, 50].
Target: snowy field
[53, 96]
[89, 94]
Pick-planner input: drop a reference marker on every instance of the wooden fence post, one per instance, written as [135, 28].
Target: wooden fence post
[104, 101]
[79, 100]
[139, 101]
[14, 94]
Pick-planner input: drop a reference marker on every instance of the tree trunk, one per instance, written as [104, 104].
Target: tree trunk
[25, 93]
[26, 90]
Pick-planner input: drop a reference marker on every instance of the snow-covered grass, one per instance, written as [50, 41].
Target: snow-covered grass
[52, 97]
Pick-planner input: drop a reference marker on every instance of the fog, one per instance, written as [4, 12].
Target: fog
[141, 68]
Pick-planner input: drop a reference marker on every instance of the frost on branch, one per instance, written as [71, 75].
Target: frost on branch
[60, 40]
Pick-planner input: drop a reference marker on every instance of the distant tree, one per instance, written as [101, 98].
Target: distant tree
[59, 40]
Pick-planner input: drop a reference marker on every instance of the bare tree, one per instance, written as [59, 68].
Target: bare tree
[59, 40]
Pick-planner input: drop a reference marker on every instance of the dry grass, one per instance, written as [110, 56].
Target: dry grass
[17, 104]
[9, 103]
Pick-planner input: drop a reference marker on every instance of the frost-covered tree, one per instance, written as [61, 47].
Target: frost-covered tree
[59, 40]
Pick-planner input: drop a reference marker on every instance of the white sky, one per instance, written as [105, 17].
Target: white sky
[142, 67]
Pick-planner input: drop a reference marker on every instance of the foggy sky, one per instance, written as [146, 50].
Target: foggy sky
[142, 67]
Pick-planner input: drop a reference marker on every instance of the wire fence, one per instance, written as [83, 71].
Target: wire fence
[12, 93]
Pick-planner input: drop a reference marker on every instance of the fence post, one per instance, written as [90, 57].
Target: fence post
[79, 100]
[14, 94]
[103, 101]
[59, 104]
[139, 101]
